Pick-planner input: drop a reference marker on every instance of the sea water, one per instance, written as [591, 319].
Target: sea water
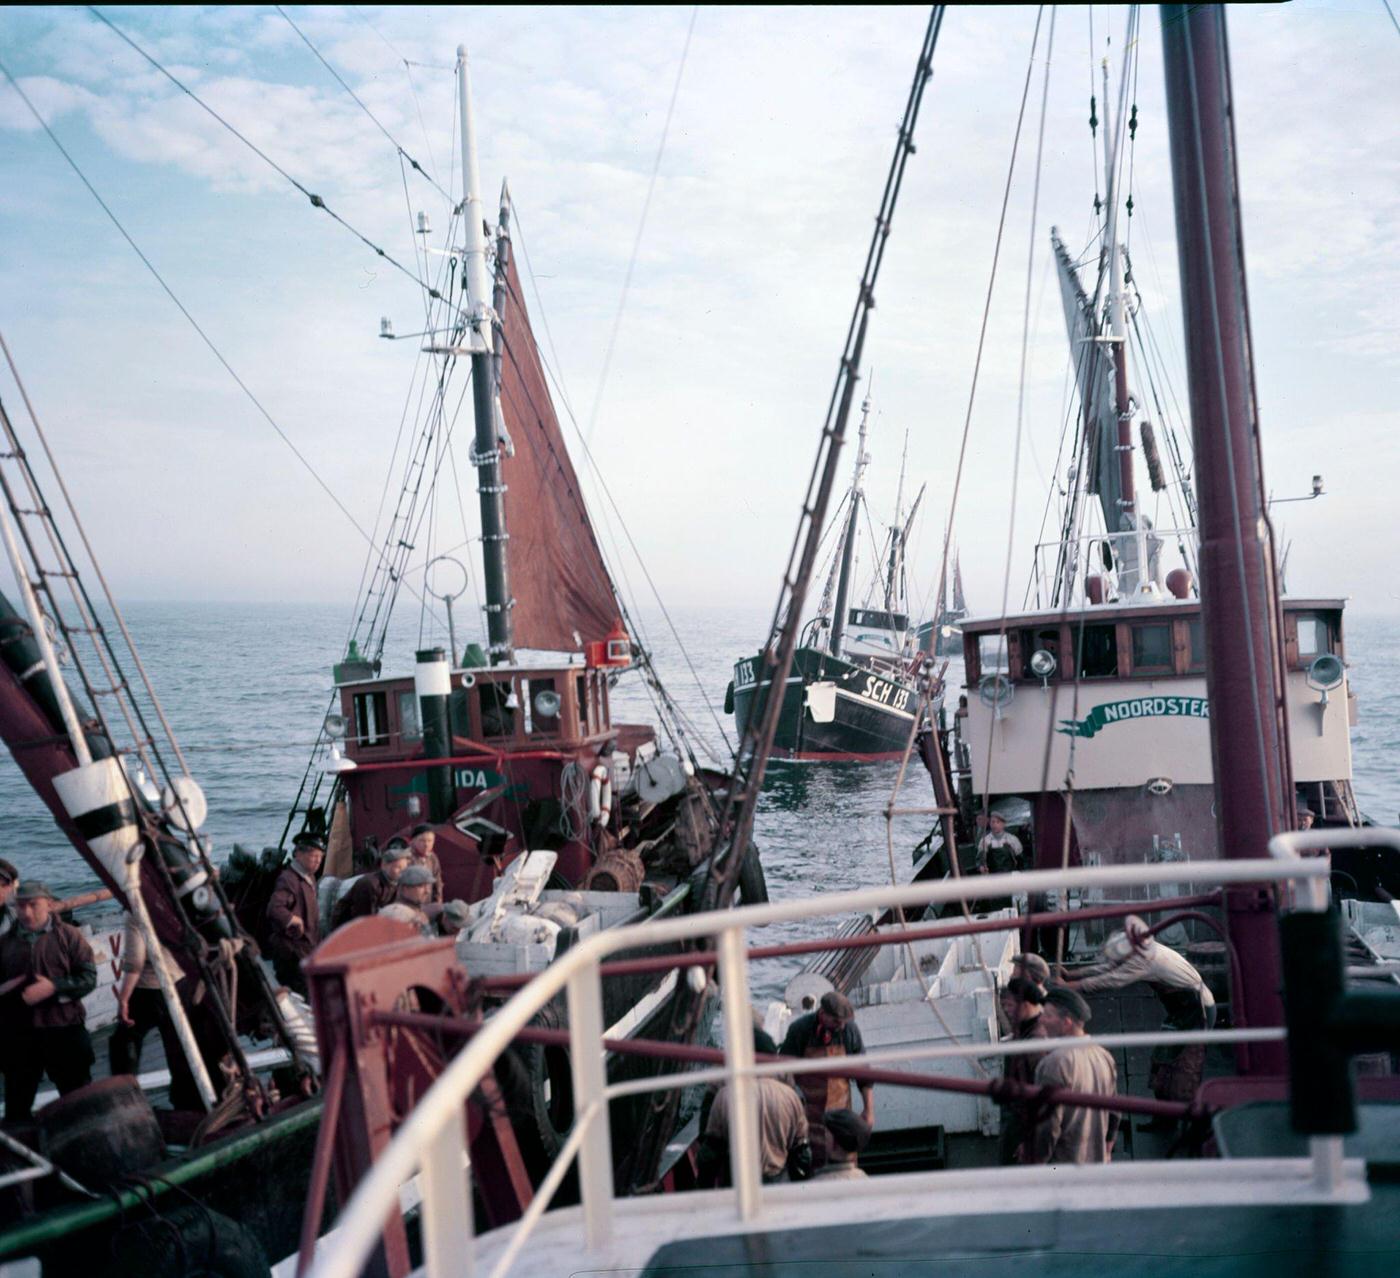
[246, 687]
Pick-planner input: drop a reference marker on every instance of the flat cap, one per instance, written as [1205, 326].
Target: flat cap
[422, 828]
[1033, 965]
[394, 850]
[1024, 991]
[836, 1004]
[8, 872]
[308, 840]
[1069, 1001]
[416, 876]
[35, 890]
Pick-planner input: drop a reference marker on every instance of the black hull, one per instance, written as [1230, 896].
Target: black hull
[833, 710]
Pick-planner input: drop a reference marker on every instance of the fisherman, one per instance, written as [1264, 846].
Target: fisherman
[1306, 817]
[293, 920]
[141, 1008]
[1072, 1133]
[1132, 955]
[456, 914]
[403, 912]
[997, 851]
[1033, 968]
[9, 883]
[850, 1134]
[1021, 1003]
[829, 1031]
[785, 1151]
[46, 969]
[421, 845]
[370, 893]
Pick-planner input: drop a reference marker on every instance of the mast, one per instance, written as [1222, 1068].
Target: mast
[1238, 579]
[895, 571]
[486, 455]
[843, 585]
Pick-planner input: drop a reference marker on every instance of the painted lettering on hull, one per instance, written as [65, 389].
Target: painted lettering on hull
[1135, 708]
[884, 693]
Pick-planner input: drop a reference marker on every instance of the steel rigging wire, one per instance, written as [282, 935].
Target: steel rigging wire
[315, 200]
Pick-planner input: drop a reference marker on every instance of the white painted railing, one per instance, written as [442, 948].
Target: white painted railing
[432, 1141]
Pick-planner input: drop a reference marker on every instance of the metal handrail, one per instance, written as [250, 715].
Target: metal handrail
[432, 1140]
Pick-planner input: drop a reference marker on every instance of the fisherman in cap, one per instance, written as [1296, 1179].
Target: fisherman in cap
[370, 893]
[1306, 817]
[1072, 1133]
[293, 919]
[456, 914]
[1021, 1003]
[1133, 955]
[1032, 968]
[46, 969]
[850, 1134]
[828, 1032]
[415, 891]
[998, 852]
[9, 883]
[421, 845]
[784, 1146]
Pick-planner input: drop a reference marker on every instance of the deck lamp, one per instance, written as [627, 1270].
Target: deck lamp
[1324, 674]
[1043, 665]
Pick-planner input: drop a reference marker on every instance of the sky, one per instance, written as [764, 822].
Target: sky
[745, 273]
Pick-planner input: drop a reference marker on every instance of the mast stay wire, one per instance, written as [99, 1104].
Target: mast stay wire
[184, 310]
[393, 141]
[641, 227]
[315, 200]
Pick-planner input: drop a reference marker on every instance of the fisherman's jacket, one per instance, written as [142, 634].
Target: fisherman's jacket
[61, 953]
[293, 896]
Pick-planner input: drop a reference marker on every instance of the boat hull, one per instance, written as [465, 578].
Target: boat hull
[833, 710]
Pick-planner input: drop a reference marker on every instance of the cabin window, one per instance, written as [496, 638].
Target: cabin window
[585, 719]
[1152, 648]
[497, 715]
[544, 707]
[410, 723]
[1033, 641]
[992, 653]
[878, 620]
[1314, 636]
[371, 719]
[1098, 652]
[1196, 641]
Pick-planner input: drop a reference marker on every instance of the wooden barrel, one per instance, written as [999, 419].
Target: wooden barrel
[102, 1132]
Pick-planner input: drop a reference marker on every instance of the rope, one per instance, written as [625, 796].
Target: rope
[641, 227]
[360, 102]
[316, 200]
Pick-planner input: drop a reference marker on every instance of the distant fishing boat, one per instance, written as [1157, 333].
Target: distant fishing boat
[853, 690]
[942, 637]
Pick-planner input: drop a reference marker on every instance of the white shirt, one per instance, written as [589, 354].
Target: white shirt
[1158, 964]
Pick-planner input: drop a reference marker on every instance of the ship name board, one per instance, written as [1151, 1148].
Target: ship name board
[885, 694]
[1135, 708]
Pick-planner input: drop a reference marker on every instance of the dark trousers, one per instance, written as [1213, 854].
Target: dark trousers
[148, 1012]
[288, 969]
[63, 1053]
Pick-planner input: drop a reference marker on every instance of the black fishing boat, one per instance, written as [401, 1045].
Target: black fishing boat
[853, 690]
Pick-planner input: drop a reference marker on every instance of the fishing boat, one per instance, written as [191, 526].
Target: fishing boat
[942, 636]
[1302, 1173]
[853, 689]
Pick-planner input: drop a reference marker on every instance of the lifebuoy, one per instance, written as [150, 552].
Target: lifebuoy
[600, 794]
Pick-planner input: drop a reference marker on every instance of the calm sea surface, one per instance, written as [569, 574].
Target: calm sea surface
[245, 687]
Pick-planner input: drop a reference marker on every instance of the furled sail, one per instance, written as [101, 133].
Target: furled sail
[563, 594]
[1093, 370]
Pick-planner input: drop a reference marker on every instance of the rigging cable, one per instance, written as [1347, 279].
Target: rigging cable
[194, 323]
[1391, 11]
[641, 227]
[316, 200]
[393, 141]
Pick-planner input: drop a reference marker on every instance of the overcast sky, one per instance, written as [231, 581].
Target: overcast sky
[727, 347]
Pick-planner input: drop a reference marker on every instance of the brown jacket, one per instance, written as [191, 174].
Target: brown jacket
[62, 954]
[1070, 1133]
[293, 896]
[432, 864]
[369, 894]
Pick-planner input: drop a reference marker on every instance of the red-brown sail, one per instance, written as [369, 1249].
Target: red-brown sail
[563, 594]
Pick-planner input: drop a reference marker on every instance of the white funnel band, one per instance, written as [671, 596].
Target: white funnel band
[432, 679]
[96, 796]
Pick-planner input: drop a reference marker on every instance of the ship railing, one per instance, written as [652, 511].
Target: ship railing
[432, 1141]
[1073, 559]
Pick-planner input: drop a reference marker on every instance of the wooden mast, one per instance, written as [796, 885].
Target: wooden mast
[1238, 578]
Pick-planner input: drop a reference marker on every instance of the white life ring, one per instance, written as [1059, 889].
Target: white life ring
[600, 794]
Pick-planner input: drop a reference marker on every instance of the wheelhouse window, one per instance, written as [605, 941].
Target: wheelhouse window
[1033, 641]
[1152, 648]
[993, 653]
[1098, 651]
[1314, 636]
[371, 719]
[410, 724]
[1195, 646]
[878, 620]
[497, 714]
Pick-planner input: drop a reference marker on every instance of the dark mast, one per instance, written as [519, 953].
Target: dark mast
[848, 546]
[486, 453]
[1238, 579]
